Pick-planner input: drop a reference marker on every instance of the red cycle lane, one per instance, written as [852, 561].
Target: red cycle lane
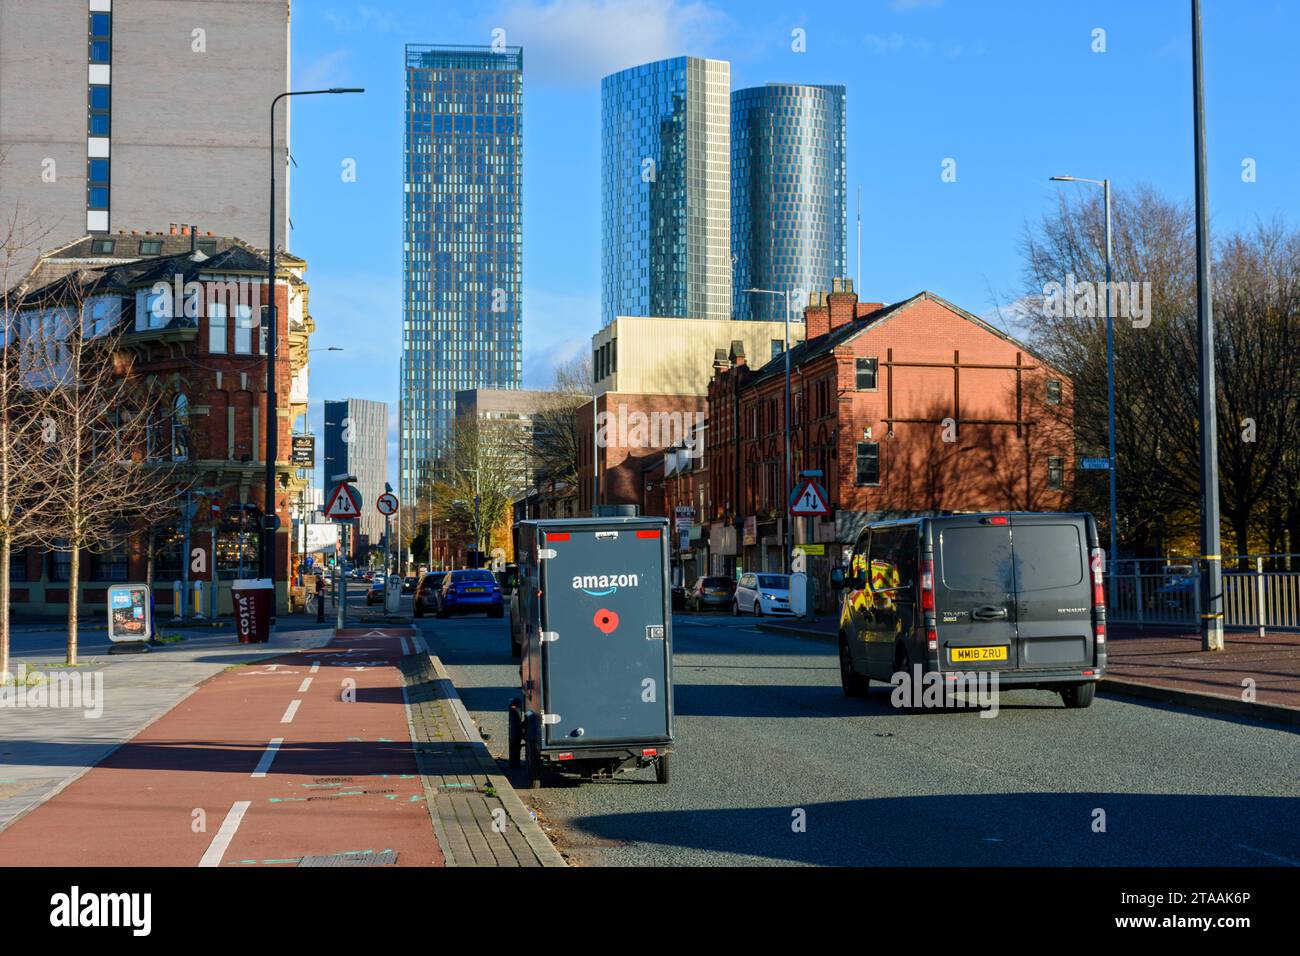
[305, 755]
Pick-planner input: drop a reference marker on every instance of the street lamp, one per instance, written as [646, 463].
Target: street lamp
[1110, 368]
[270, 518]
[785, 473]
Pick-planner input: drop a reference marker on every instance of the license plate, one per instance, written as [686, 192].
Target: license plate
[473, 590]
[977, 653]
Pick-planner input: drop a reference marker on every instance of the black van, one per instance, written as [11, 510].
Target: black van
[1016, 593]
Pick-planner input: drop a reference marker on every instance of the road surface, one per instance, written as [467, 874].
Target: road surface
[775, 766]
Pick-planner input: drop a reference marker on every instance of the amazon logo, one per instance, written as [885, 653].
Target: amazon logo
[601, 585]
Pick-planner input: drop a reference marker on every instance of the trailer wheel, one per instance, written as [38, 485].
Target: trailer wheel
[534, 754]
[516, 735]
[662, 769]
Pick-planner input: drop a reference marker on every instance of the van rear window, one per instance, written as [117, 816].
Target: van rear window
[976, 559]
[1048, 556]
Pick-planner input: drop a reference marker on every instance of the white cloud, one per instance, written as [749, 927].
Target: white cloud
[557, 326]
[327, 70]
[361, 17]
[576, 42]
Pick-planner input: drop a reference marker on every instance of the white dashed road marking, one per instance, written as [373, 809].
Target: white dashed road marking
[306, 682]
[221, 841]
[289, 712]
[268, 755]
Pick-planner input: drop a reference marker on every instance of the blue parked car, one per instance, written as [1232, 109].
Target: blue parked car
[471, 592]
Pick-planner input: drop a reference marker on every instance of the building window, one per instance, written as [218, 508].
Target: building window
[61, 562]
[216, 327]
[102, 247]
[1055, 473]
[868, 472]
[18, 564]
[150, 247]
[207, 246]
[97, 198]
[243, 329]
[111, 565]
[1053, 391]
[777, 347]
[866, 372]
[181, 429]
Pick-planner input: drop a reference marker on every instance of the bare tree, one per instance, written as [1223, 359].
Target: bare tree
[106, 458]
[556, 434]
[22, 237]
[481, 474]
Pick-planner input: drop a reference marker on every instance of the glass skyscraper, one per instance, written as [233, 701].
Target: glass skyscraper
[788, 194]
[665, 218]
[463, 239]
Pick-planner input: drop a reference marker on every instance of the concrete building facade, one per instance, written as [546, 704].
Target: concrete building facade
[356, 443]
[126, 114]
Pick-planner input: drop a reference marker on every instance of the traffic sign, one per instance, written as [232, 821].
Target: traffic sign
[344, 503]
[1094, 464]
[809, 499]
[387, 503]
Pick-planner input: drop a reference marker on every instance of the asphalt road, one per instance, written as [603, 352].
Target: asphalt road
[766, 741]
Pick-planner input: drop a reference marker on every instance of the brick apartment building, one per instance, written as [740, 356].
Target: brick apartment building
[916, 407]
[212, 368]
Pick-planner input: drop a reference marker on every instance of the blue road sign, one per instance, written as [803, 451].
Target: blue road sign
[1094, 464]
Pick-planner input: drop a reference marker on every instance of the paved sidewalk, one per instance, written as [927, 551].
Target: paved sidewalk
[1164, 665]
[479, 819]
[43, 749]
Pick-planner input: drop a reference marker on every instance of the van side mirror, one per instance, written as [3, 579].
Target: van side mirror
[837, 579]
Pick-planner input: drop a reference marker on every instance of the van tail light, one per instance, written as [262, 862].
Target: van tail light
[927, 585]
[931, 639]
[564, 756]
[1099, 633]
[650, 752]
[1098, 579]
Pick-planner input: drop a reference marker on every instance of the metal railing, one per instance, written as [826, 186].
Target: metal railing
[1168, 592]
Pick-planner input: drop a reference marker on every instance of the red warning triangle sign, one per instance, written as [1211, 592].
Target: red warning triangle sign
[344, 503]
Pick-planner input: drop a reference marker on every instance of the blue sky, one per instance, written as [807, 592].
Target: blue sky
[1012, 91]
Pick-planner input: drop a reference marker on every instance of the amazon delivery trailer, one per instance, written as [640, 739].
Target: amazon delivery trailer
[593, 622]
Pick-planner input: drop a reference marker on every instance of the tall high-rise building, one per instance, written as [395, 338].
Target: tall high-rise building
[133, 114]
[788, 194]
[463, 240]
[356, 443]
[665, 199]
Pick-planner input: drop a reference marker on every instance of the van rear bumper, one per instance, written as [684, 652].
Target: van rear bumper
[1029, 680]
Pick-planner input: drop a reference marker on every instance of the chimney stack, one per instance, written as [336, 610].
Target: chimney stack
[173, 228]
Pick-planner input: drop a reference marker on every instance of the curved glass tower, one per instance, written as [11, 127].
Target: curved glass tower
[788, 194]
[665, 244]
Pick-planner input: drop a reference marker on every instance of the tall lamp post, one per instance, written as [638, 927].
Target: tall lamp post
[785, 472]
[1212, 575]
[269, 517]
[1110, 370]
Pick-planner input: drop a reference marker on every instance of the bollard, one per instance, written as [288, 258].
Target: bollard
[198, 598]
[177, 607]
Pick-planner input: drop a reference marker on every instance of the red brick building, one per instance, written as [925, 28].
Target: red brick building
[202, 342]
[916, 407]
[625, 438]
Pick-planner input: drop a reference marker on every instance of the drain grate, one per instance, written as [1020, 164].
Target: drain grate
[387, 858]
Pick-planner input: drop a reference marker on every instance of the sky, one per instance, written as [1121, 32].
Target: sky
[1003, 93]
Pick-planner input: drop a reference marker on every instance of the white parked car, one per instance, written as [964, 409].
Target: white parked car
[758, 593]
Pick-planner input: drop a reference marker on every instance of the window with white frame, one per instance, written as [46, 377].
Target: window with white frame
[244, 329]
[216, 326]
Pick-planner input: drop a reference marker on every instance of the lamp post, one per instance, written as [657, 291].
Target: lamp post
[269, 516]
[785, 472]
[1212, 573]
[1110, 370]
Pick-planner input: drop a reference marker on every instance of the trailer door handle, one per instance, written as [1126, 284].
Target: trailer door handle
[990, 613]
